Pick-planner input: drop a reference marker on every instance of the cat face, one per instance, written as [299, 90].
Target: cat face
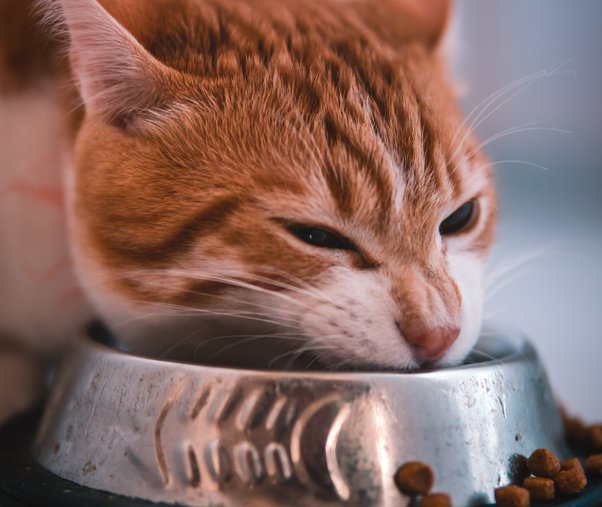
[277, 173]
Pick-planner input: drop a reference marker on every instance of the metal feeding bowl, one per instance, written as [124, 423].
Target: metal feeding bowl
[210, 436]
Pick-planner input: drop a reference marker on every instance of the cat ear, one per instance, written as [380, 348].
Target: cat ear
[117, 77]
[431, 16]
[401, 21]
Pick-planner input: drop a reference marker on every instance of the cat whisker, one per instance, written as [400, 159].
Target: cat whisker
[298, 352]
[536, 78]
[192, 311]
[267, 309]
[276, 334]
[305, 290]
[488, 101]
[206, 276]
[501, 285]
[519, 129]
[142, 317]
[312, 293]
[481, 109]
[321, 342]
[268, 314]
[512, 161]
[200, 275]
[483, 354]
[242, 341]
[279, 334]
[178, 343]
[479, 353]
[285, 338]
[496, 275]
[302, 284]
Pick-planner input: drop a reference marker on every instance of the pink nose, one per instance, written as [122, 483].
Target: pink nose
[429, 344]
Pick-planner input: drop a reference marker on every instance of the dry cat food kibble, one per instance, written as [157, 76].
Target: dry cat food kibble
[581, 436]
[436, 500]
[512, 496]
[543, 463]
[571, 481]
[551, 477]
[540, 489]
[414, 478]
[575, 430]
[593, 465]
[595, 437]
[571, 463]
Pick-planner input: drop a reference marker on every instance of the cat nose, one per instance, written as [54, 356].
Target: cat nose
[428, 344]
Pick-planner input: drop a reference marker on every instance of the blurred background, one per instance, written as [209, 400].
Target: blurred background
[550, 235]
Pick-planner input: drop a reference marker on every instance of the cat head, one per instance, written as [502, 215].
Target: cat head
[295, 171]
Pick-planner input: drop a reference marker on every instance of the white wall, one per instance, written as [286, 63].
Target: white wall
[554, 213]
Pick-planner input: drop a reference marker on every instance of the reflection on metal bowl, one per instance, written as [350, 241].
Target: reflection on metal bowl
[205, 436]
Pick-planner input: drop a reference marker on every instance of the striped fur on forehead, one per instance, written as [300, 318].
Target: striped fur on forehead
[344, 77]
[276, 104]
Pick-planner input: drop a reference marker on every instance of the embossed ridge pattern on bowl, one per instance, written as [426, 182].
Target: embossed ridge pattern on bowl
[207, 436]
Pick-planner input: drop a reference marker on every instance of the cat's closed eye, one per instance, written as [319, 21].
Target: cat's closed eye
[460, 220]
[319, 237]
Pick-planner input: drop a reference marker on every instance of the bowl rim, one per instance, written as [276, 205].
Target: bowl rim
[522, 351]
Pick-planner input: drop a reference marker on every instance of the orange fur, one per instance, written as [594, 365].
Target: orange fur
[210, 125]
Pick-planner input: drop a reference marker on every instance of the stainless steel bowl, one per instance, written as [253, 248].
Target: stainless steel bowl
[208, 436]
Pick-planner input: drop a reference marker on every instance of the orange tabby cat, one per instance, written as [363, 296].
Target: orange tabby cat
[254, 179]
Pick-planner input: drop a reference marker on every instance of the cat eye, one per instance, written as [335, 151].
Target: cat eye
[460, 220]
[320, 237]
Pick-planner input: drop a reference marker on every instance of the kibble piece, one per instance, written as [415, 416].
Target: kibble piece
[540, 488]
[595, 437]
[593, 465]
[575, 431]
[512, 496]
[543, 463]
[571, 481]
[436, 500]
[567, 464]
[414, 478]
